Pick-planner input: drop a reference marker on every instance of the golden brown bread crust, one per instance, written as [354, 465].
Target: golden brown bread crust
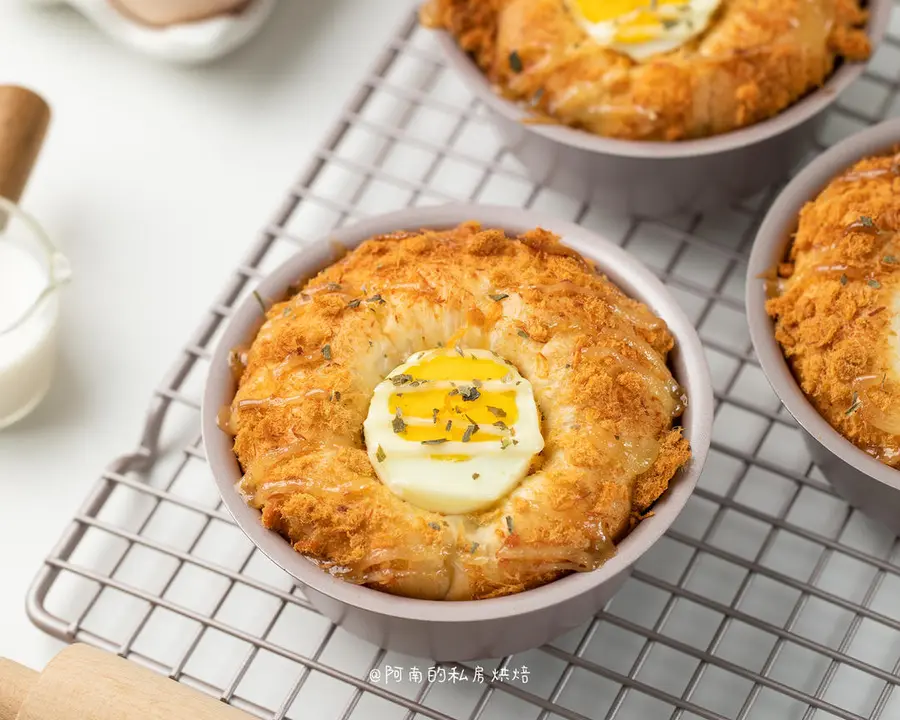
[837, 299]
[757, 58]
[595, 358]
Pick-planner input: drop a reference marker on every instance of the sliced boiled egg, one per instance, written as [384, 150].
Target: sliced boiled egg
[453, 430]
[641, 28]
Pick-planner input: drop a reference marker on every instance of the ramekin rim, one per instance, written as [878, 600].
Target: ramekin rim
[696, 378]
[770, 243]
[802, 110]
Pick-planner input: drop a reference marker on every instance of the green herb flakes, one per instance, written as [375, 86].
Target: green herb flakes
[843, 279]
[855, 404]
[509, 524]
[326, 352]
[401, 379]
[498, 297]
[262, 304]
[889, 259]
[496, 412]
[448, 425]
[398, 424]
[376, 299]
[333, 287]
[459, 351]
[523, 334]
[469, 393]
[380, 454]
[354, 303]
[515, 62]
[434, 415]
[470, 431]
[475, 476]
[505, 442]
[500, 424]
[873, 283]
[473, 548]
[434, 526]
[866, 221]
[436, 441]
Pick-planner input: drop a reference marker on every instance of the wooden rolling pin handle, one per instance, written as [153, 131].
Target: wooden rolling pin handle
[83, 683]
[24, 117]
[16, 682]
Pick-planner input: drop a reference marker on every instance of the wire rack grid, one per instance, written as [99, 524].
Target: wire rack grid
[768, 599]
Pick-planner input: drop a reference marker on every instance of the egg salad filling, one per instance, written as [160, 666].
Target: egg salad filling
[453, 430]
[641, 28]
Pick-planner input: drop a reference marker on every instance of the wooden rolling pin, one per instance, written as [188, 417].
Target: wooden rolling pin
[24, 117]
[83, 683]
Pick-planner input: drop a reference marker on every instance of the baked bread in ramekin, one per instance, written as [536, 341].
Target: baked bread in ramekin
[752, 59]
[596, 361]
[836, 304]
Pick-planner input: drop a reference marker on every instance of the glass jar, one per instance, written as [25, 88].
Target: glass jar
[32, 271]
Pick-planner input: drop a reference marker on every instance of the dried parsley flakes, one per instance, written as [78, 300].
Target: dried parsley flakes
[259, 299]
[515, 62]
[398, 423]
[469, 393]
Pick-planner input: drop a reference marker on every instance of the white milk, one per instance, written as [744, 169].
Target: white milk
[28, 351]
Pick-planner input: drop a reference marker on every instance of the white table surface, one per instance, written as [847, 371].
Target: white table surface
[154, 179]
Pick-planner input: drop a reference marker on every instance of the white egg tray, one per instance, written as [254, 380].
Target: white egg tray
[186, 43]
[770, 599]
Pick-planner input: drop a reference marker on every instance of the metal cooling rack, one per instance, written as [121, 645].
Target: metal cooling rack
[769, 599]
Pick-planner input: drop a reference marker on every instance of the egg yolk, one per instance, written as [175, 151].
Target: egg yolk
[635, 21]
[453, 430]
[605, 10]
[449, 411]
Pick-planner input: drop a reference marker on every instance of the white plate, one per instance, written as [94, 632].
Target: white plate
[188, 43]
